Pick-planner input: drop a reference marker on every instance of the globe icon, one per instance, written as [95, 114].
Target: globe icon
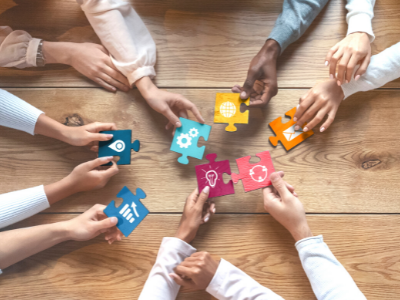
[227, 109]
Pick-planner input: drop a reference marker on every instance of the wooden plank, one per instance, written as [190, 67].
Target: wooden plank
[261, 247]
[200, 44]
[353, 167]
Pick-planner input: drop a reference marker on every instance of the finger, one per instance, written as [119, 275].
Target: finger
[268, 93]
[333, 62]
[330, 54]
[105, 224]
[202, 198]
[183, 271]
[98, 162]
[102, 127]
[193, 108]
[100, 137]
[172, 118]
[117, 75]
[111, 81]
[350, 67]
[342, 68]
[94, 148]
[111, 171]
[305, 102]
[316, 120]
[105, 85]
[248, 84]
[328, 121]
[363, 68]
[308, 115]
[180, 281]
[279, 184]
[236, 89]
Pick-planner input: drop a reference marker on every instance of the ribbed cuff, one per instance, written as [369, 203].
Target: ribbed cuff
[361, 23]
[31, 52]
[309, 241]
[178, 246]
[218, 279]
[19, 205]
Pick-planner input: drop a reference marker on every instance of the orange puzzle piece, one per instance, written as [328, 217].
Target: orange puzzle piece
[227, 110]
[285, 132]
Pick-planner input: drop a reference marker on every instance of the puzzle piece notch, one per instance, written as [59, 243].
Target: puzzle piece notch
[130, 213]
[186, 138]
[211, 175]
[285, 132]
[122, 139]
[254, 176]
[227, 110]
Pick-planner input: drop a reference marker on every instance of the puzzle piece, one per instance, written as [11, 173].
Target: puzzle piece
[254, 176]
[130, 213]
[285, 132]
[211, 175]
[227, 110]
[120, 145]
[186, 138]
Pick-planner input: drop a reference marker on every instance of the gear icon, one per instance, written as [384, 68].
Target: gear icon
[185, 144]
[193, 132]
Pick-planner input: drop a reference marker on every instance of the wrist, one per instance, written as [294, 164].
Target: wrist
[62, 231]
[146, 87]
[57, 52]
[301, 232]
[185, 233]
[271, 48]
[59, 190]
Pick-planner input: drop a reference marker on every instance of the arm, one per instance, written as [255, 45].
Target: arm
[19, 244]
[329, 279]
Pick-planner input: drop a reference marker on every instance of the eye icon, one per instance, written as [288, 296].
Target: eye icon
[118, 146]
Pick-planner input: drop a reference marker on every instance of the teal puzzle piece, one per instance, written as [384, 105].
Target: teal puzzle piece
[186, 138]
[120, 145]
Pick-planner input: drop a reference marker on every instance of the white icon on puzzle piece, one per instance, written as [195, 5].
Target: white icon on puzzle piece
[259, 173]
[212, 177]
[291, 134]
[185, 139]
[227, 109]
[126, 212]
[118, 146]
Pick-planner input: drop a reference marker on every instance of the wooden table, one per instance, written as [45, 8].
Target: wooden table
[347, 178]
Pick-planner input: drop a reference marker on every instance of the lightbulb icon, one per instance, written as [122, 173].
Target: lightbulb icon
[118, 146]
[212, 178]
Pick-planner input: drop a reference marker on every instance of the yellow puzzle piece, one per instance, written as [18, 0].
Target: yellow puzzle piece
[227, 110]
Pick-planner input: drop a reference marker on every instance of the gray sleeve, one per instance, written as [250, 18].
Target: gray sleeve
[295, 18]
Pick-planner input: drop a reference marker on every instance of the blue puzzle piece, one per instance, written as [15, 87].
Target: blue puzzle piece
[130, 213]
[186, 138]
[120, 145]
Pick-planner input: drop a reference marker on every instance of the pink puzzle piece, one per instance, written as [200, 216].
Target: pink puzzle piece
[211, 175]
[254, 176]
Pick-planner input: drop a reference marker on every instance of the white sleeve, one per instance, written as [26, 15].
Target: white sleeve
[384, 67]
[329, 279]
[359, 16]
[231, 283]
[17, 48]
[16, 113]
[125, 36]
[159, 285]
[19, 205]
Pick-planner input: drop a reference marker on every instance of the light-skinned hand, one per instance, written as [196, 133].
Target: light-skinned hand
[322, 100]
[195, 272]
[285, 207]
[261, 83]
[354, 49]
[197, 211]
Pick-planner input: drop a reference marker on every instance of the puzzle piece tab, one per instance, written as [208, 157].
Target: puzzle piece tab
[285, 132]
[130, 213]
[186, 138]
[211, 175]
[227, 110]
[254, 176]
[120, 145]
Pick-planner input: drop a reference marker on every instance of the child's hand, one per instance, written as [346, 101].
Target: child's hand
[282, 203]
[92, 223]
[171, 105]
[320, 101]
[197, 211]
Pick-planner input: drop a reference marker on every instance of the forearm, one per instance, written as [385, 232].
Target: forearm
[19, 244]
[329, 279]
[48, 127]
[59, 190]
[294, 20]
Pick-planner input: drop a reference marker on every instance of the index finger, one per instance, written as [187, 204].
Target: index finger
[111, 171]
[305, 103]
[202, 198]
[193, 108]
[330, 54]
[105, 126]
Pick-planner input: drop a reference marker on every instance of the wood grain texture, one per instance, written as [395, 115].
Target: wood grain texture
[353, 167]
[200, 43]
[367, 246]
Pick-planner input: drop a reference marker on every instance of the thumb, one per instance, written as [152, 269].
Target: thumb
[103, 225]
[180, 281]
[100, 137]
[280, 185]
[202, 198]
[248, 85]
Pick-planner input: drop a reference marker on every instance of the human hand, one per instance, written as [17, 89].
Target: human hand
[196, 271]
[90, 175]
[92, 223]
[352, 50]
[91, 60]
[261, 83]
[281, 202]
[197, 211]
[171, 105]
[320, 101]
[88, 134]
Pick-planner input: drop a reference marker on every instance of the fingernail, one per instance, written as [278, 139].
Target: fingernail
[295, 119]
[114, 220]
[206, 190]
[347, 81]
[106, 158]
[214, 210]
[296, 127]
[305, 129]
[336, 75]
[243, 95]
[331, 76]
[357, 77]
[322, 129]
[207, 218]
[326, 63]
[110, 136]
[178, 124]
[294, 193]
[338, 83]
